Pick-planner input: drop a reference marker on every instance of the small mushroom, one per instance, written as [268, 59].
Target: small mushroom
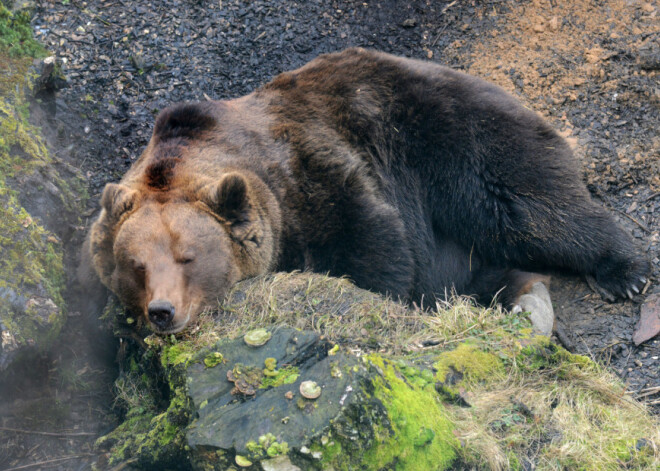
[310, 390]
[270, 363]
[257, 337]
[242, 461]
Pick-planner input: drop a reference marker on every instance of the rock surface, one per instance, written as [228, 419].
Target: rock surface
[361, 418]
[206, 400]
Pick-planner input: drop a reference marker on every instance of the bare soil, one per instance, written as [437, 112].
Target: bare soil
[590, 67]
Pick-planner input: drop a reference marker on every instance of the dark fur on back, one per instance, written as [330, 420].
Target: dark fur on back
[425, 178]
[174, 128]
[160, 172]
[187, 120]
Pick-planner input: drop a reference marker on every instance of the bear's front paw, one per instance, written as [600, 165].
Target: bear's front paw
[620, 278]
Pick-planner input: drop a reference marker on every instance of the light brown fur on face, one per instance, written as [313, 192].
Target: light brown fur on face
[170, 258]
[172, 253]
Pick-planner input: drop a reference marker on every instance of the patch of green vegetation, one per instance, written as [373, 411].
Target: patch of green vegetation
[176, 353]
[331, 450]
[541, 353]
[30, 255]
[266, 446]
[149, 433]
[213, 359]
[135, 394]
[530, 401]
[472, 363]
[16, 35]
[286, 375]
[421, 435]
[572, 409]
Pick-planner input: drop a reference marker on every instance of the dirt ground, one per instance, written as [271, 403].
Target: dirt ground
[590, 67]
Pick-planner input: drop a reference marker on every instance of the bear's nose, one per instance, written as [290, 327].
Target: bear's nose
[161, 313]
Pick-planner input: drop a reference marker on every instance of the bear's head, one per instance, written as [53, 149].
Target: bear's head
[170, 257]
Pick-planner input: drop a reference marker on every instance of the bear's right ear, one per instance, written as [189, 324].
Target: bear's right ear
[229, 198]
[117, 199]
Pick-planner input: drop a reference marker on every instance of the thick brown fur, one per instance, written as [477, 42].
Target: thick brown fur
[408, 177]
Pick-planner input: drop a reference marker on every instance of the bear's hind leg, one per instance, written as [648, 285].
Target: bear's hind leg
[567, 232]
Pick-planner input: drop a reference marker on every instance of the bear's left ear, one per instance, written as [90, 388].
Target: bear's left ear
[229, 198]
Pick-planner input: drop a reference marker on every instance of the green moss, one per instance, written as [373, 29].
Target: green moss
[287, 375]
[331, 451]
[267, 446]
[539, 353]
[421, 434]
[471, 362]
[270, 364]
[30, 255]
[176, 354]
[154, 438]
[213, 359]
[16, 35]
[531, 403]
[253, 447]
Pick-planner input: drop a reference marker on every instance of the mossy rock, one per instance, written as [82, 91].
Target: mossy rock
[459, 387]
[38, 203]
[368, 416]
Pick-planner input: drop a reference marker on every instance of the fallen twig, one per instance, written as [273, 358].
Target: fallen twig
[643, 226]
[647, 392]
[654, 195]
[48, 434]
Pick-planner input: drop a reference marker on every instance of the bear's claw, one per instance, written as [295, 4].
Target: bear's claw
[630, 291]
[620, 277]
[591, 281]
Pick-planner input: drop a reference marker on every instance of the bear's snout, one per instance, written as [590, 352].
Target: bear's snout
[161, 313]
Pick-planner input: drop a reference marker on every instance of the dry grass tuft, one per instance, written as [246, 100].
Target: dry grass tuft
[337, 309]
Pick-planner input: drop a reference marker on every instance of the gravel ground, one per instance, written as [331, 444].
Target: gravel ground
[591, 68]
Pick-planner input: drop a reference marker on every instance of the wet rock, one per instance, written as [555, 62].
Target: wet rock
[377, 409]
[409, 23]
[212, 427]
[40, 196]
[224, 423]
[649, 320]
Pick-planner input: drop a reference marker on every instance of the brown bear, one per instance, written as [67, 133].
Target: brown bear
[408, 177]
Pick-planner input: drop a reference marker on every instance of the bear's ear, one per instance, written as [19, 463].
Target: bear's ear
[117, 199]
[229, 198]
